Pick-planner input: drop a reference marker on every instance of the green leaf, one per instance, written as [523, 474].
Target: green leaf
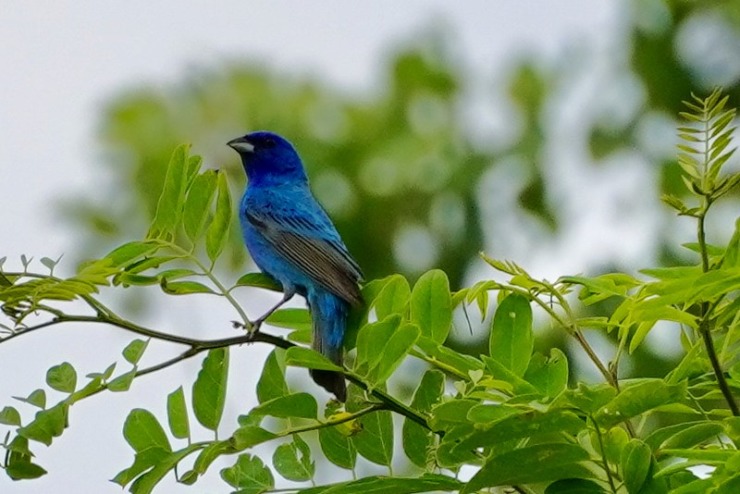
[614, 441]
[375, 441]
[732, 253]
[636, 465]
[538, 463]
[448, 357]
[134, 350]
[37, 398]
[218, 230]
[188, 478]
[302, 405]
[637, 399]
[732, 425]
[417, 441]
[443, 454]
[337, 447]
[142, 463]
[183, 287]
[169, 206]
[574, 486]
[209, 389]
[149, 262]
[94, 385]
[291, 319]
[524, 425]
[451, 413]
[47, 424]
[146, 483]
[144, 434]
[18, 461]
[548, 375]
[431, 305]
[10, 416]
[174, 274]
[488, 413]
[428, 482]
[24, 470]
[393, 298]
[198, 204]
[50, 263]
[293, 460]
[192, 167]
[511, 339]
[129, 252]
[5, 280]
[371, 340]
[305, 357]
[122, 382]
[499, 371]
[249, 475]
[708, 456]
[177, 414]
[602, 287]
[127, 279]
[62, 377]
[209, 454]
[271, 383]
[394, 352]
[260, 280]
[691, 435]
[588, 398]
[18, 447]
[249, 435]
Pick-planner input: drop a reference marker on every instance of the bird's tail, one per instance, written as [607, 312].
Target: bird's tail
[329, 315]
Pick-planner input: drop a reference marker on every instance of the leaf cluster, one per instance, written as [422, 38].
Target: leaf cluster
[511, 414]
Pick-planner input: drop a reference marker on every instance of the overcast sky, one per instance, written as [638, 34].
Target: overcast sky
[61, 60]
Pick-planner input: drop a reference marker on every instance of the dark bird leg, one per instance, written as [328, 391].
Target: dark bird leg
[287, 295]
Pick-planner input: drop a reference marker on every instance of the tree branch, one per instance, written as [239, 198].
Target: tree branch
[197, 346]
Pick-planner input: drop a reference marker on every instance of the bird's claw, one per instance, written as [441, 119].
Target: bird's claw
[251, 327]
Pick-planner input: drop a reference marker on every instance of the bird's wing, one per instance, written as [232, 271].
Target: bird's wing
[326, 261]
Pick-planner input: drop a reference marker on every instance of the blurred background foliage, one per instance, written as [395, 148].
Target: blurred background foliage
[401, 168]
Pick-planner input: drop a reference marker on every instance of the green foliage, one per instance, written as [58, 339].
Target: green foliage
[510, 414]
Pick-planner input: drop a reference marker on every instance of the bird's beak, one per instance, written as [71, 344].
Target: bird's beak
[240, 145]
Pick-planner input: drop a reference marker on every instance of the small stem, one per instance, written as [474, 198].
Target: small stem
[706, 333]
[389, 402]
[603, 455]
[209, 273]
[330, 423]
[440, 365]
[595, 359]
[701, 234]
[706, 309]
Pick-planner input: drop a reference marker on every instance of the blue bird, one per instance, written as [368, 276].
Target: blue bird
[291, 238]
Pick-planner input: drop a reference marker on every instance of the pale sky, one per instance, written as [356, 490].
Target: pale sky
[61, 60]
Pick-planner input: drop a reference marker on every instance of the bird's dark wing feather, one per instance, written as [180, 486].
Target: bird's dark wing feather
[326, 261]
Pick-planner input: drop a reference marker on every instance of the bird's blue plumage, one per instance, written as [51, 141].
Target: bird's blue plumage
[291, 238]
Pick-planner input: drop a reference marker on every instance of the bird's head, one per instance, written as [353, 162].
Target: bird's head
[268, 158]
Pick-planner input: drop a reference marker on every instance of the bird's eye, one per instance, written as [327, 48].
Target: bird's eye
[268, 142]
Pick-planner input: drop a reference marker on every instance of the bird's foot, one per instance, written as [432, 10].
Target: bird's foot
[251, 327]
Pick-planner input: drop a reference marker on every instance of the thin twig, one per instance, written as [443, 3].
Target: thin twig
[706, 309]
[197, 346]
[603, 455]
